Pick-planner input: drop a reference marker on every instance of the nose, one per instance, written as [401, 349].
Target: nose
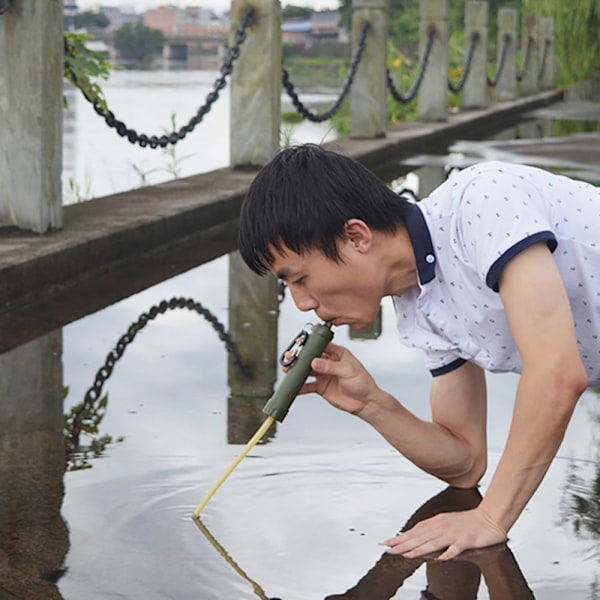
[302, 299]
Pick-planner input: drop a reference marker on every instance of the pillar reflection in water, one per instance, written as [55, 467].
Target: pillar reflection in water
[33, 536]
[253, 315]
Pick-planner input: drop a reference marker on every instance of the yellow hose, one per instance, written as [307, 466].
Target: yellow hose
[253, 441]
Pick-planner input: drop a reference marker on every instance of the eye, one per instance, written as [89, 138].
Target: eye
[299, 281]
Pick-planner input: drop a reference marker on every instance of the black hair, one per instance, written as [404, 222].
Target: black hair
[303, 198]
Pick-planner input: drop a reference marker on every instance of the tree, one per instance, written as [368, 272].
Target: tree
[291, 11]
[138, 42]
[91, 20]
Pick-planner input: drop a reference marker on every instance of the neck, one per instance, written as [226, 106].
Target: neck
[402, 265]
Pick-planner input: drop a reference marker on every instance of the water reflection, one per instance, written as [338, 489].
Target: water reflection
[33, 536]
[251, 372]
[457, 579]
[253, 317]
[581, 500]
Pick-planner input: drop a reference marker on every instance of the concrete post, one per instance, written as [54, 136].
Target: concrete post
[531, 62]
[433, 95]
[507, 30]
[368, 113]
[255, 110]
[547, 65]
[253, 316]
[475, 94]
[31, 73]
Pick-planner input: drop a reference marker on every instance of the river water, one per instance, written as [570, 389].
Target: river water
[301, 517]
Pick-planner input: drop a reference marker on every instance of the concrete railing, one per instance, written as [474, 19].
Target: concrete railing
[31, 35]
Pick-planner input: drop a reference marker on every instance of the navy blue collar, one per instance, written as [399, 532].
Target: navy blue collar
[421, 242]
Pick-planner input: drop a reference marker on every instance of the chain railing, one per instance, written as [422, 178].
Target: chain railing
[493, 81]
[412, 94]
[93, 394]
[164, 140]
[233, 54]
[457, 88]
[547, 46]
[528, 53]
[318, 118]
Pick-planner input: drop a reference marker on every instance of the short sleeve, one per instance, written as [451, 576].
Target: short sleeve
[440, 363]
[498, 215]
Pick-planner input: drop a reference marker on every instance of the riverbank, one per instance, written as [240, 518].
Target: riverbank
[124, 241]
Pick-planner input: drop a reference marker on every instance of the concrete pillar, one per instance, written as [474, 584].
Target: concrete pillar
[430, 178]
[255, 111]
[368, 94]
[547, 65]
[31, 73]
[507, 29]
[475, 94]
[253, 316]
[433, 95]
[529, 77]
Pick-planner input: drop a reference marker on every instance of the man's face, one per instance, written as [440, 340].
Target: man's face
[346, 293]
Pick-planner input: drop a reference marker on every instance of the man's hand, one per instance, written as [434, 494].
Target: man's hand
[341, 379]
[450, 532]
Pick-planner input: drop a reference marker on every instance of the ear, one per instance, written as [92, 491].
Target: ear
[358, 234]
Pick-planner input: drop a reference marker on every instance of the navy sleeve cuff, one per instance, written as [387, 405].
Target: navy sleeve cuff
[449, 367]
[494, 273]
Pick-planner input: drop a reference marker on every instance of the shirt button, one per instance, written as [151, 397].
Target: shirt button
[430, 258]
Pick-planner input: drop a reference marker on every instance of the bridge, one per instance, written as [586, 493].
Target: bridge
[187, 48]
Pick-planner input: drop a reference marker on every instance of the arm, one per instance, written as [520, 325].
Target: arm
[452, 447]
[552, 379]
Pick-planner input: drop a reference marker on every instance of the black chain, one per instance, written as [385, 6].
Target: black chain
[318, 118]
[104, 372]
[412, 94]
[154, 141]
[456, 89]
[493, 81]
[544, 57]
[528, 53]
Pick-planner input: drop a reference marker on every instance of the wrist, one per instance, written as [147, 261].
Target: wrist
[375, 406]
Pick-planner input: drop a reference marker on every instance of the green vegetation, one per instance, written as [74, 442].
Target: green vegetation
[84, 67]
[138, 42]
[577, 31]
[91, 20]
[291, 11]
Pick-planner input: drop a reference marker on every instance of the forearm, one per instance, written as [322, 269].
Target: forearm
[543, 408]
[430, 446]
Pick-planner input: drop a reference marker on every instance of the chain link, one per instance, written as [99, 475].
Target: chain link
[318, 118]
[104, 372]
[528, 52]
[544, 58]
[493, 81]
[412, 94]
[154, 141]
[456, 89]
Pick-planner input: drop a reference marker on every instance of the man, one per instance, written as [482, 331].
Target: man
[496, 270]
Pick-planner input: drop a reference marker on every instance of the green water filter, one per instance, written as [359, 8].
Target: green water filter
[306, 346]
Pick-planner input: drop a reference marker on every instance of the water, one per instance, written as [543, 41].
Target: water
[302, 516]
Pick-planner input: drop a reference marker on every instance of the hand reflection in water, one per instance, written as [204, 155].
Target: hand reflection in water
[456, 579]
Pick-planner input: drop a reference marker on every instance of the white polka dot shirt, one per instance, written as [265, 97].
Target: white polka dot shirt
[466, 231]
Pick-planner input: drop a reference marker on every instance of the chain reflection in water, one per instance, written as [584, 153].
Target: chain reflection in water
[87, 416]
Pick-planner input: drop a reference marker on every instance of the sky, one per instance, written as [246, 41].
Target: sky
[219, 5]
